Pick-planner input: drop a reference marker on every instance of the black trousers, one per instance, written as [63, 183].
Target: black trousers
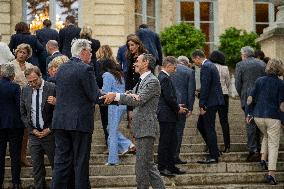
[223, 117]
[72, 155]
[167, 145]
[14, 137]
[206, 127]
[39, 147]
[104, 120]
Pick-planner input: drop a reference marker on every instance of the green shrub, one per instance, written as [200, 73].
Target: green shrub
[232, 41]
[181, 39]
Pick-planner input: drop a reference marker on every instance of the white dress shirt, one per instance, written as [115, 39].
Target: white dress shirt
[165, 72]
[33, 108]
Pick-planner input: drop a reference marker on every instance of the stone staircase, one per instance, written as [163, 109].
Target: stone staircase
[232, 172]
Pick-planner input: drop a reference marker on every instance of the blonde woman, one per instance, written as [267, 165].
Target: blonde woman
[266, 107]
[22, 53]
[86, 33]
[54, 65]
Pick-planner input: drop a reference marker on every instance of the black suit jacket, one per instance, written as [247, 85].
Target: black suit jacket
[76, 93]
[46, 34]
[46, 108]
[211, 91]
[168, 106]
[51, 57]
[10, 117]
[66, 35]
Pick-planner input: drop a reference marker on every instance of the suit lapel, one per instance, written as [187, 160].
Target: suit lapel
[144, 81]
[29, 99]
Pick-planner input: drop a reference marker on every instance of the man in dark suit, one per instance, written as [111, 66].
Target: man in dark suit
[73, 120]
[168, 110]
[53, 50]
[211, 97]
[45, 34]
[184, 82]
[247, 71]
[37, 105]
[151, 41]
[11, 125]
[144, 98]
[67, 34]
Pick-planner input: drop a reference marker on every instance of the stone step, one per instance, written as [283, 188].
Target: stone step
[179, 180]
[101, 159]
[192, 168]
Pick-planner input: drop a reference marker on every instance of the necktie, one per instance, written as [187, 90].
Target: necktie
[37, 110]
[137, 86]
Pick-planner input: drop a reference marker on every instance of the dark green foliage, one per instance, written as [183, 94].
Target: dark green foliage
[181, 39]
[232, 41]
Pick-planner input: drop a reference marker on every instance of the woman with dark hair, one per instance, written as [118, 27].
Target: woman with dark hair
[134, 48]
[266, 107]
[23, 35]
[113, 81]
[218, 58]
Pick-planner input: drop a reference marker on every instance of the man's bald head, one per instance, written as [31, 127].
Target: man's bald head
[52, 46]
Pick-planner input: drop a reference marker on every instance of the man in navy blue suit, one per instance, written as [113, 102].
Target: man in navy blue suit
[73, 119]
[211, 97]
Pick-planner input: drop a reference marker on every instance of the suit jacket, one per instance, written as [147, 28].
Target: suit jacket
[76, 93]
[152, 43]
[51, 57]
[66, 35]
[210, 91]
[46, 108]
[32, 40]
[168, 106]
[10, 116]
[46, 34]
[121, 58]
[145, 123]
[185, 85]
[247, 71]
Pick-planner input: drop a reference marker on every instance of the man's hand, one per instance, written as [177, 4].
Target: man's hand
[45, 132]
[36, 133]
[182, 110]
[134, 96]
[109, 97]
[248, 119]
[202, 111]
[189, 113]
[51, 100]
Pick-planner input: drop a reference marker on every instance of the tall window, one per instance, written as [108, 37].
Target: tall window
[264, 15]
[202, 15]
[147, 12]
[35, 11]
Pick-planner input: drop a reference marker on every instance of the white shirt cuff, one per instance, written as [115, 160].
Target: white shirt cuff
[117, 97]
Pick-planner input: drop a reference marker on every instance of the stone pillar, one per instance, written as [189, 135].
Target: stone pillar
[5, 19]
[167, 13]
[272, 39]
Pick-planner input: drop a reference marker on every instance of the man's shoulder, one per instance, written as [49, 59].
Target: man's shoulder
[49, 84]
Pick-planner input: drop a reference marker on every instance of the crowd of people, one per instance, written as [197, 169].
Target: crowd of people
[50, 83]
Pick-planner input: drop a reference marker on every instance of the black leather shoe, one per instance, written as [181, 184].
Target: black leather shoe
[178, 171]
[226, 150]
[208, 161]
[166, 173]
[179, 161]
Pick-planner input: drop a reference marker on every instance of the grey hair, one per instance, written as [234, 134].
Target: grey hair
[183, 60]
[151, 61]
[52, 43]
[7, 70]
[248, 51]
[78, 45]
[275, 66]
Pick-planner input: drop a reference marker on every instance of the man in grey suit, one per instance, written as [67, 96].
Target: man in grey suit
[37, 105]
[247, 71]
[144, 97]
[184, 82]
[73, 120]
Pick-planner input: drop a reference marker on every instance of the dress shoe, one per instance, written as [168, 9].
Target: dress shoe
[177, 171]
[253, 157]
[226, 150]
[131, 150]
[179, 161]
[263, 164]
[271, 180]
[208, 161]
[166, 173]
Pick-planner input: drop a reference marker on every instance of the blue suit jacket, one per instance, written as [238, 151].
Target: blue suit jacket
[10, 116]
[66, 35]
[168, 106]
[184, 83]
[211, 91]
[152, 43]
[46, 34]
[266, 98]
[76, 93]
[121, 58]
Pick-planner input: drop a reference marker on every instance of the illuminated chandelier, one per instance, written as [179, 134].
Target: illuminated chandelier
[37, 22]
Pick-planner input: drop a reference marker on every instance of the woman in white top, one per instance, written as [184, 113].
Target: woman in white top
[218, 58]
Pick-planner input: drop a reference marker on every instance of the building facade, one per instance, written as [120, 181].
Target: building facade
[113, 20]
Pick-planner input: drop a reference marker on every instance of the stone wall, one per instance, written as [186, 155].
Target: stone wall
[5, 19]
